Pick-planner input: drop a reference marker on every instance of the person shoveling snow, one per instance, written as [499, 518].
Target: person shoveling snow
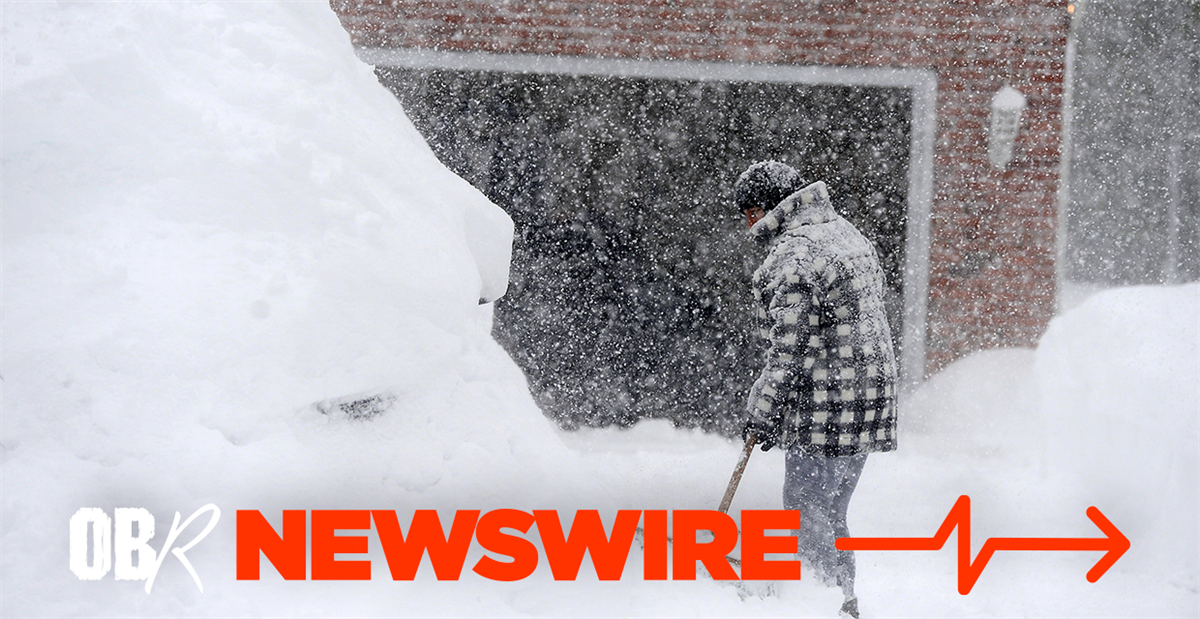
[827, 391]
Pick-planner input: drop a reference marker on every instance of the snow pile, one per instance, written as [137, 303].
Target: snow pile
[214, 214]
[215, 217]
[982, 405]
[1121, 402]
[1103, 413]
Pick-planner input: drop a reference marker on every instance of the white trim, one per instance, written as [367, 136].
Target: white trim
[922, 132]
[1061, 229]
[668, 69]
[921, 82]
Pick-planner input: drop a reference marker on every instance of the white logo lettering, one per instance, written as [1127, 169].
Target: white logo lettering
[125, 544]
[129, 542]
[180, 552]
[101, 525]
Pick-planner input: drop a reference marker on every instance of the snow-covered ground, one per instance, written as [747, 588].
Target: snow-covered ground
[214, 217]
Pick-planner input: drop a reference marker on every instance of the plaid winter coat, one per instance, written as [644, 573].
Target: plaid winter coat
[830, 376]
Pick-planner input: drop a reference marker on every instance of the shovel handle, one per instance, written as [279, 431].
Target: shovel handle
[737, 473]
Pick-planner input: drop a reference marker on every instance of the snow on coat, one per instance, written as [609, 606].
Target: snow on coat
[830, 376]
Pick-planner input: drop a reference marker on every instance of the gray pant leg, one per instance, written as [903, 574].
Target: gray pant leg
[853, 467]
[821, 488]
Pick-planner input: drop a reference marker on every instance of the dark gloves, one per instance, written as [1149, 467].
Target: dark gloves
[765, 432]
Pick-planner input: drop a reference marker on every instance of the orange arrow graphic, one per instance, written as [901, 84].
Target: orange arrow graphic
[1113, 543]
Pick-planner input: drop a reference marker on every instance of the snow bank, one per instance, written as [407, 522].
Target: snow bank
[214, 216]
[1104, 412]
[214, 213]
[983, 405]
[1118, 377]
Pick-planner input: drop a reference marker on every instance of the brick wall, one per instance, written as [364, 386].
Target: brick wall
[992, 272]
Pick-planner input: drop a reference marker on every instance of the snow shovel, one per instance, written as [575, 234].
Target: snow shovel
[730, 489]
[737, 474]
[743, 590]
[734, 481]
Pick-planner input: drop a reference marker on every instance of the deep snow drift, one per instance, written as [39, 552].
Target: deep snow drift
[215, 217]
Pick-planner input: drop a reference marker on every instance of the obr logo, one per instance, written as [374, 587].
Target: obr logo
[126, 543]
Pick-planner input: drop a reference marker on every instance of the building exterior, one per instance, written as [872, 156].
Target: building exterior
[978, 253]
[1134, 211]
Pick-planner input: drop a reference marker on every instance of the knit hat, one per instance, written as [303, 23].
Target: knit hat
[765, 184]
